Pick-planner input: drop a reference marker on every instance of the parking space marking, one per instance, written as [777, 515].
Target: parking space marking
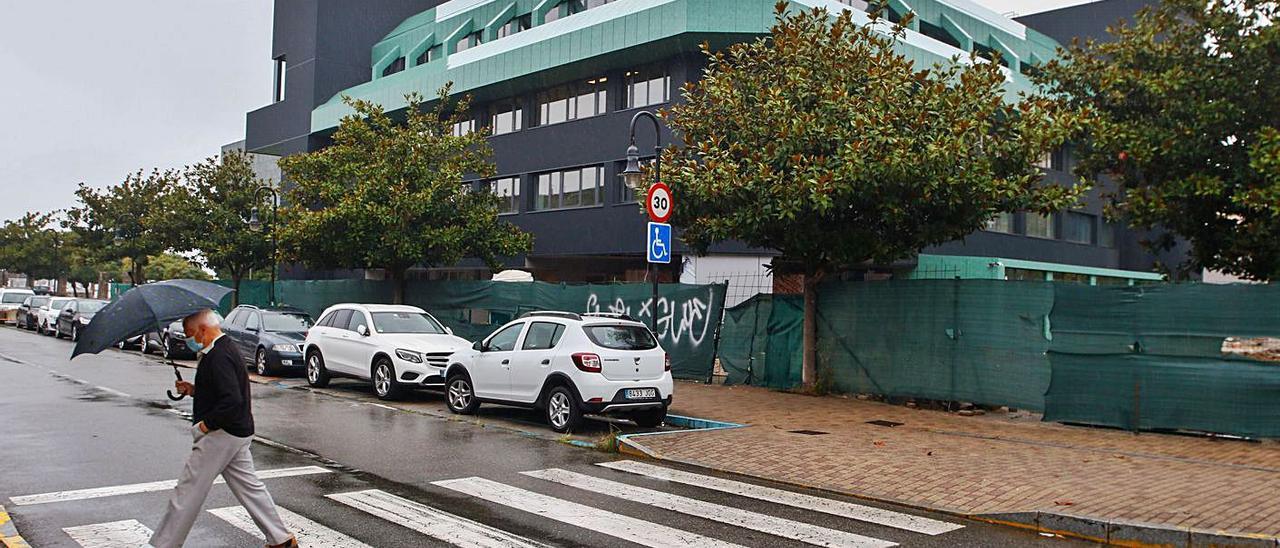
[308, 533]
[781, 527]
[129, 533]
[99, 492]
[601, 521]
[429, 521]
[870, 514]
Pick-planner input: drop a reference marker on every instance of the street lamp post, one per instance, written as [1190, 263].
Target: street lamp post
[255, 224]
[633, 178]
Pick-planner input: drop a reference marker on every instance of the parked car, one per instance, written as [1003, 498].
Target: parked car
[47, 317]
[270, 339]
[566, 365]
[75, 315]
[29, 311]
[10, 299]
[394, 347]
[147, 343]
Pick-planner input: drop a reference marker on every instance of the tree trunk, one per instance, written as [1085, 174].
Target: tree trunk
[398, 283]
[809, 365]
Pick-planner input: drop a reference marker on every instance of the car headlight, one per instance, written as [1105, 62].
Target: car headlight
[409, 355]
[84, 321]
[285, 348]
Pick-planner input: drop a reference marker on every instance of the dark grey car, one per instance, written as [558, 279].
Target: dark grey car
[74, 316]
[271, 338]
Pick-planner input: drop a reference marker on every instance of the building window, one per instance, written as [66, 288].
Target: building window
[278, 91]
[470, 41]
[464, 127]
[858, 5]
[938, 33]
[648, 86]
[571, 102]
[570, 7]
[506, 118]
[430, 54]
[1052, 159]
[1002, 222]
[394, 67]
[1029, 70]
[571, 188]
[507, 190]
[986, 52]
[1078, 227]
[1040, 226]
[519, 23]
[1107, 234]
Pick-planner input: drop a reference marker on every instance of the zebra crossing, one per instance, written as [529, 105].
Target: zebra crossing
[667, 526]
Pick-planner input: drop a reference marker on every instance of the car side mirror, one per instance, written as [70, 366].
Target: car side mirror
[253, 329]
[448, 330]
[478, 346]
[362, 330]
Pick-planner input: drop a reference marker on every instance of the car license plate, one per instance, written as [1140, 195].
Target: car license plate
[641, 393]
[286, 362]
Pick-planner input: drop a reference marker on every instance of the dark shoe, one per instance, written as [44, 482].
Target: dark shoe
[291, 543]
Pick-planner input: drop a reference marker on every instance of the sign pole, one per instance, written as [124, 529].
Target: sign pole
[657, 177]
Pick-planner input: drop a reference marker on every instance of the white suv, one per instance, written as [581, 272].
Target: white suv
[395, 347]
[567, 365]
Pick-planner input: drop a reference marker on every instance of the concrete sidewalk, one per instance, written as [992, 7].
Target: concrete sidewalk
[1101, 484]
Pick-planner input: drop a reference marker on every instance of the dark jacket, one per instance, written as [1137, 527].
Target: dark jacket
[222, 398]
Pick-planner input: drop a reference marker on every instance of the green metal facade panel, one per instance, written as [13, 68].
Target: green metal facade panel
[616, 27]
[993, 268]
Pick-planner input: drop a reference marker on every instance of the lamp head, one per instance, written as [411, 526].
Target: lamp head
[631, 175]
[255, 224]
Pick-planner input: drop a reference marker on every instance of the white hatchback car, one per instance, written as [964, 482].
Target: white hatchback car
[566, 365]
[395, 347]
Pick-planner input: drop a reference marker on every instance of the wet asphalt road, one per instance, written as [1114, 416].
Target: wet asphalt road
[104, 421]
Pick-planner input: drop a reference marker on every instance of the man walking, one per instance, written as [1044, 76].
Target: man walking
[222, 433]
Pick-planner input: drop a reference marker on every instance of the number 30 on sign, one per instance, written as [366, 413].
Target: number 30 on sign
[658, 203]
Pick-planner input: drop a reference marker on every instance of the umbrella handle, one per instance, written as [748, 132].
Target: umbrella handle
[178, 374]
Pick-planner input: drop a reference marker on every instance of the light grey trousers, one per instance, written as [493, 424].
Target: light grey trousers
[212, 454]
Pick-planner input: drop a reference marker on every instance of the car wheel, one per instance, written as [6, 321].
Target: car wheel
[317, 375]
[563, 412]
[650, 418]
[460, 396]
[165, 351]
[121, 345]
[384, 380]
[146, 345]
[260, 363]
[75, 333]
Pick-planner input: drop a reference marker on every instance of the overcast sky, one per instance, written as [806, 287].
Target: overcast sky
[94, 89]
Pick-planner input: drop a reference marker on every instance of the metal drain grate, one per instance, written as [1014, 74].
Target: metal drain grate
[808, 432]
[887, 424]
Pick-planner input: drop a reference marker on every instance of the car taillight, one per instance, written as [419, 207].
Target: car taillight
[587, 361]
[666, 362]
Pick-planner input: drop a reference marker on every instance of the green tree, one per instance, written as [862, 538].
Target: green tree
[83, 264]
[824, 143]
[390, 194]
[166, 266]
[33, 246]
[1187, 100]
[129, 220]
[211, 216]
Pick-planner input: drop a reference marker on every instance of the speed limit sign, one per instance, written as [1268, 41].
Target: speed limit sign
[658, 203]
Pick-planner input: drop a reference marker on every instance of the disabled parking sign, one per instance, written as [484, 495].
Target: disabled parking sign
[659, 243]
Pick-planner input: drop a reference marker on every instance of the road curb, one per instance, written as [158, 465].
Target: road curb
[1111, 532]
[9, 537]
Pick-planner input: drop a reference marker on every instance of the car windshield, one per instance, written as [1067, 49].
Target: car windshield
[405, 322]
[39, 302]
[285, 322]
[621, 337]
[91, 306]
[14, 298]
[57, 304]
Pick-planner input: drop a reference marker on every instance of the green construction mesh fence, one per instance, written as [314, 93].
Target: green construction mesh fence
[761, 341]
[979, 341]
[1151, 358]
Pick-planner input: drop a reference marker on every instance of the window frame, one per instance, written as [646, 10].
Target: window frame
[488, 342]
[556, 181]
[628, 85]
[513, 199]
[395, 66]
[572, 96]
[557, 333]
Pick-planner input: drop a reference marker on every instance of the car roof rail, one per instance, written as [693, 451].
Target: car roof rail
[552, 314]
[614, 315]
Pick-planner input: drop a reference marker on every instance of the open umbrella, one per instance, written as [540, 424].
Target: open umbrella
[147, 308]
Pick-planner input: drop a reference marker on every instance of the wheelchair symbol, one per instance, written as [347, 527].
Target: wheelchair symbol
[659, 243]
[659, 246]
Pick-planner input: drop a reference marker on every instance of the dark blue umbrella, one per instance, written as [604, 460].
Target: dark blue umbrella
[147, 308]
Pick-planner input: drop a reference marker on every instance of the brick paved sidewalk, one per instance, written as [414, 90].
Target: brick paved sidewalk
[989, 464]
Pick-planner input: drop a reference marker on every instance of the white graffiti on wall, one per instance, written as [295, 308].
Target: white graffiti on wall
[693, 323]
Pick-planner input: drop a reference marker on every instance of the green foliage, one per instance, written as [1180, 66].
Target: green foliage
[389, 194]
[211, 215]
[32, 245]
[824, 143]
[165, 266]
[129, 220]
[1188, 108]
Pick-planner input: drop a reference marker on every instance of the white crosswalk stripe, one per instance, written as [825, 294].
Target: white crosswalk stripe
[308, 533]
[429, 521]
[594, 519]
[858, 512]
[804, 532]
[98, 492]
[117, 534]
